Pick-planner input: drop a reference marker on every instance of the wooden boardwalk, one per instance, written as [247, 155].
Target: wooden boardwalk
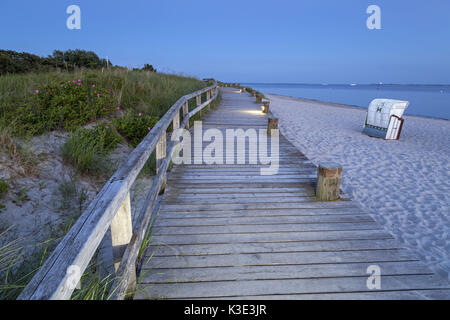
[226, 232]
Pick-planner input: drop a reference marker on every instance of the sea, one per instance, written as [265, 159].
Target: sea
[431, 101]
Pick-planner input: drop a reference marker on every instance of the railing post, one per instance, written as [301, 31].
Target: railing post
[176, 121]
[121, 231]
[199, 102]
[208, 96]
[185, 112]
[160, 155]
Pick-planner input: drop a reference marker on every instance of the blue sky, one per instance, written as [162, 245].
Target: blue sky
[314, 41]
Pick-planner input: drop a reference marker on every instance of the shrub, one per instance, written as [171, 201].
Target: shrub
[86, 148]
[62, 106]
[23, 62]
[135, 126]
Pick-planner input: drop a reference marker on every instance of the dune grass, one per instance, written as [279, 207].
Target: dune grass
[131, 102]
[86, 149]
[16, 268]
[36, 103]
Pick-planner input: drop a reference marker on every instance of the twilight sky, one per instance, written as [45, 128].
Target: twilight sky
[298, 41]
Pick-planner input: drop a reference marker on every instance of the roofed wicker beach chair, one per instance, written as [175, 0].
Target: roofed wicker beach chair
[384, 118]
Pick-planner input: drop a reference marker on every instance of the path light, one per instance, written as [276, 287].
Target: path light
[265, 108]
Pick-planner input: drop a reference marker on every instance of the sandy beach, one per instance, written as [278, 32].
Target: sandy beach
[404, 184]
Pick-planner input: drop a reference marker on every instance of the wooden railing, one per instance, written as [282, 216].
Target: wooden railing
[111, 208]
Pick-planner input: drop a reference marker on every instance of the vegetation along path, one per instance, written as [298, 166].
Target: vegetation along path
[226, 231]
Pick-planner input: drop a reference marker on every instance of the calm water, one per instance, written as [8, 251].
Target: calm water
[425, 100]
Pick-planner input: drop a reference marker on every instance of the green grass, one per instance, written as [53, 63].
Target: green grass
[16, 269]
[73, 195]
[87, 149]
[4, 187]
[18, 152]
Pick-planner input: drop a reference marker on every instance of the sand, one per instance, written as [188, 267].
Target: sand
[405, 184]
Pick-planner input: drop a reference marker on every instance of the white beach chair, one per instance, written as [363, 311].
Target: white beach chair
[384, 118]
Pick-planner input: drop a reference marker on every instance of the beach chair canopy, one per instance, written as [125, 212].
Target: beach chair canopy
[381, 110]
[384, 118]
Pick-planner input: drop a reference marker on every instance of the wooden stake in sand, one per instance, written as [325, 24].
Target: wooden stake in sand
[258, 98]
[329, 178]
[272, 124]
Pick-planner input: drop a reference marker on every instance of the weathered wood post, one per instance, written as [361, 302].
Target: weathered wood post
[121, 231]
[199, 102]
[208, 96]
[266, 106]
[160, 155]
[176, 121]
[272, 124]
[253, 93]
[185, 112]
[258, 98]
[329, 176]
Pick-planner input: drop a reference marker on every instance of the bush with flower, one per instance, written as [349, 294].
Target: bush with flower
[134, 126]
[62, 106]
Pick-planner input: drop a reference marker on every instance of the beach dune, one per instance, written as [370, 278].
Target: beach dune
[404, 184]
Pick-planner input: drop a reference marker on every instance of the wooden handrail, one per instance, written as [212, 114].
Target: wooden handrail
[53, 280]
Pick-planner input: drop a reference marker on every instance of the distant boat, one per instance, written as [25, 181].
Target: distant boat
[353, 84]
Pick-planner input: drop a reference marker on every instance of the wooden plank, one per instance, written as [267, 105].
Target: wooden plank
[272, 237]
[231, 184]
[268, 272]
[429, 294]
[246, 195]
[162, 222]
[283, 258]
[290, 286]
[279, 213]
[240, 177]
[239, 200]
[265, 228]
[265, 247]
[233, 190]
[255, 206]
